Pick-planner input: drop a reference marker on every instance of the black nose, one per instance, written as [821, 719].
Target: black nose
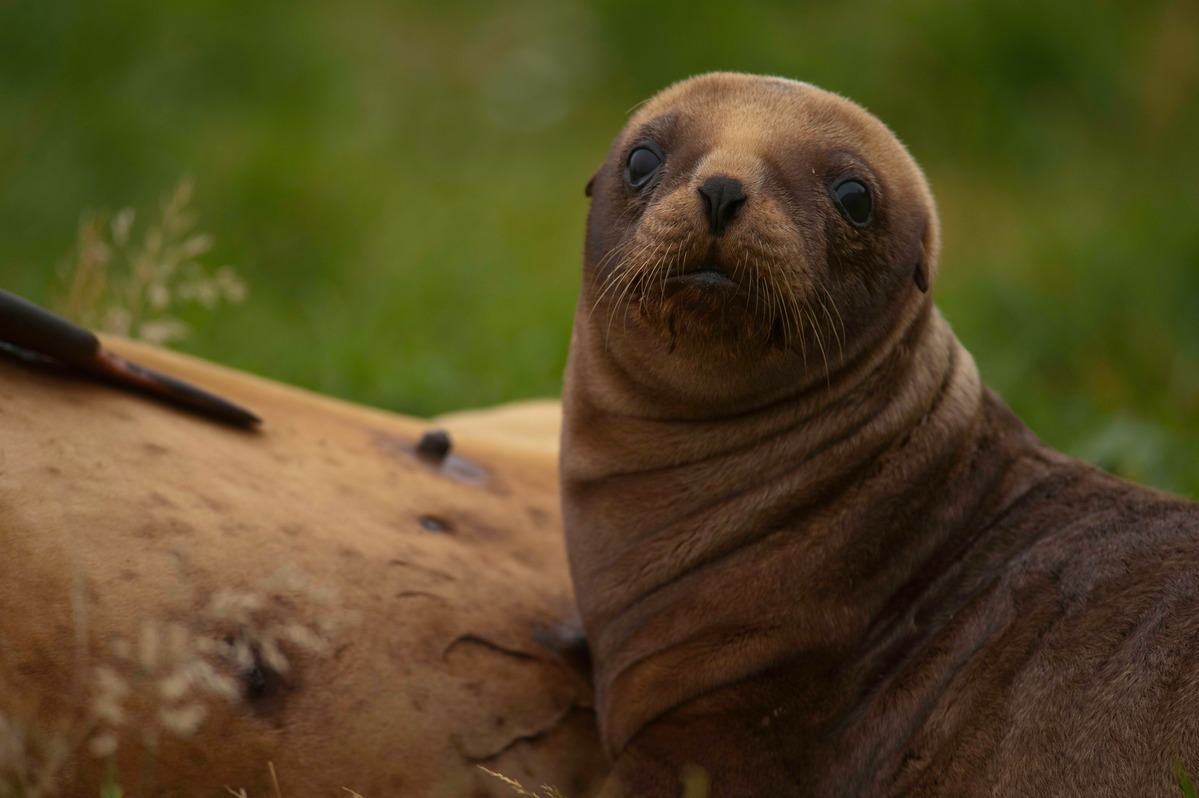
[723, 198]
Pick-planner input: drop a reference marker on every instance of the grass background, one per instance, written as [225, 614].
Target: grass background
[401, 184]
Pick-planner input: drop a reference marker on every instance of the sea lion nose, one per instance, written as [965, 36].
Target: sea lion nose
[722, 197]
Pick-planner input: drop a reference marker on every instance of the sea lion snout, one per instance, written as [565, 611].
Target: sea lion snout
[723, 197]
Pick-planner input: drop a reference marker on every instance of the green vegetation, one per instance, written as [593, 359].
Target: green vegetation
[1184, 781]
[400, 184]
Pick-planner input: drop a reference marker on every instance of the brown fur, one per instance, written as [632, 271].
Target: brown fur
[121, 519]
[814, 554]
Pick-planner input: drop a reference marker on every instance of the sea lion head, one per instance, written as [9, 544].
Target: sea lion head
[752, 232]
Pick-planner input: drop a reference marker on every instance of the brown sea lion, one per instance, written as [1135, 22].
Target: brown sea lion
[814, 554]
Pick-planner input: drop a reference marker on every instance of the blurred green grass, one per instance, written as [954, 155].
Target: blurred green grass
[401, 183]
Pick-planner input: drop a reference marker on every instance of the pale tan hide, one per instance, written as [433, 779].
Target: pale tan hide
[535, 425]
[422, 613]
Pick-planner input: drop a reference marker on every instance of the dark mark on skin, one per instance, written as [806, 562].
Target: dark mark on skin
[435, 524]
[430, 571]
[419, 594]
[434, 445]
[449, 465]
[566, 639]
[261, 683]
[253, 678]
[478, 641]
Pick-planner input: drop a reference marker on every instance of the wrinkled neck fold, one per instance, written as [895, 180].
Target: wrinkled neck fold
[768, 503]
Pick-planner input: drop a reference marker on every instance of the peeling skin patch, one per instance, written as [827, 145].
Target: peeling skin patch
[513, 704]
[451, 466]
[477, 756]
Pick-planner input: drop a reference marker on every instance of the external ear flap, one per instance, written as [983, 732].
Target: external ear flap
[921, 276]
[590, 185]
[920, 273]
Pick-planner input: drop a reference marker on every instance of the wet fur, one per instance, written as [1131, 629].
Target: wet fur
[814, 554]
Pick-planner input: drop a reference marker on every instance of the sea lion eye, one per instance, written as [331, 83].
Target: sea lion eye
[644, 162]
[853, 198]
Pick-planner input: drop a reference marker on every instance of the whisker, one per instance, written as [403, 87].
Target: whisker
[623, 284]
[820, 343]
[614, 278]
[833, 303]
[624, 294]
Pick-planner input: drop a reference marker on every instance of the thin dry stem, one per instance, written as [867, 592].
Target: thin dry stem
[117, 286]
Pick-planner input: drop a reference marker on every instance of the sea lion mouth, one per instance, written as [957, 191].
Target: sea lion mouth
[705, 273]
[711, 277]
[704, 289]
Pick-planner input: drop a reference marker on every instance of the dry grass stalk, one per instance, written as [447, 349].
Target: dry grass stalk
[116, 285]
[546, 790]
[163, 680]
[29, 761]
[696, 784]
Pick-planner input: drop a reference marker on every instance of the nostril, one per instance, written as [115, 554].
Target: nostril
[722, 197]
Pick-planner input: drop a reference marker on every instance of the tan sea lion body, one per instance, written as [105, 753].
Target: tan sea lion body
[813, 553]
[156, 566]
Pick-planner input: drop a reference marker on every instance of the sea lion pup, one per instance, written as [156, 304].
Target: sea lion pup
[813, 553]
